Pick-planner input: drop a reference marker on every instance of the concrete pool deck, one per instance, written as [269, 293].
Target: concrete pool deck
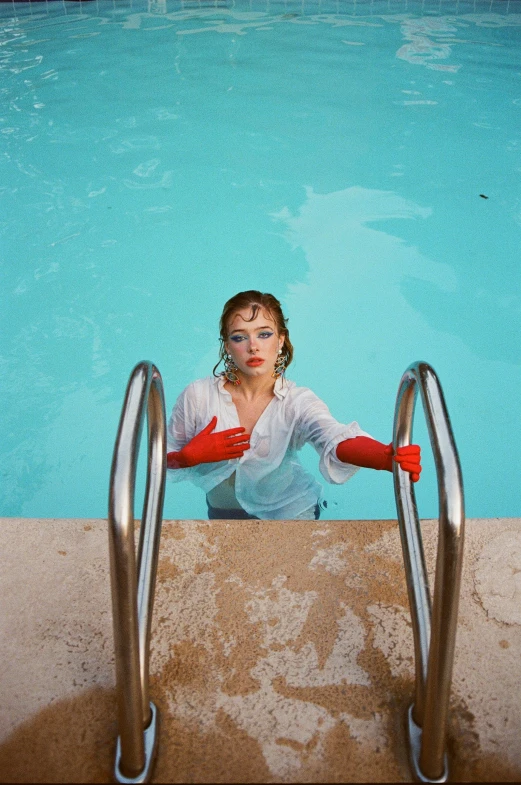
[281, 652]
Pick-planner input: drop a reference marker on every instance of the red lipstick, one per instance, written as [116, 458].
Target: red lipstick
[254, 362]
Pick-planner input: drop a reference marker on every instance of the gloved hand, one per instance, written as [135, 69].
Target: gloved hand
[408, 458]
[366, 452]
[208, 447]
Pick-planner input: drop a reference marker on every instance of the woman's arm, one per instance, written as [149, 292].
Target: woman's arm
[345, 448]
[316, 425]
[366, 452]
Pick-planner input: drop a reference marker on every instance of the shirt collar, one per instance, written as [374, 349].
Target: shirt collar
[281, 386]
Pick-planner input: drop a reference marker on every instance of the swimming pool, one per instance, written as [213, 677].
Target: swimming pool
[362, 161]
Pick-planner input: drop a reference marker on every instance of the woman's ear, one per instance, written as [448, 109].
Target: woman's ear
[282, 338]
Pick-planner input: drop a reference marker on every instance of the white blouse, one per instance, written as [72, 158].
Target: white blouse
[270, 481]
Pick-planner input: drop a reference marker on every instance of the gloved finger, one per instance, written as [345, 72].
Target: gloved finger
[236, 452]
[209, 428]
[237, 443]
[415, 477]
[237, 437]
[389, 449]
[231, 432]
[411, 467]
[409, 449]
[403, 459]
[230, 444]
[415, 457]
[408, 456]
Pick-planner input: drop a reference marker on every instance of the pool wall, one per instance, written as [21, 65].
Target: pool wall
[280, 653]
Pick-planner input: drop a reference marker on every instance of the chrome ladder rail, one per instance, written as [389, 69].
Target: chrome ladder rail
[133, 588]
[434, 625]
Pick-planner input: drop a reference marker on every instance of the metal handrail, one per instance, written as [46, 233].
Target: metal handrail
[434, 626]
[133, 588]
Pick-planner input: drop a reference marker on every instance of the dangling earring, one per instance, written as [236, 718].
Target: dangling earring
[230, 370]
[280, 365]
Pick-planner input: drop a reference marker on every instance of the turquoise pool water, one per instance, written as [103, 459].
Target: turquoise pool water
[155, 159]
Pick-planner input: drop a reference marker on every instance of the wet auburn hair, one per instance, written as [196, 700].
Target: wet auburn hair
[257, 301]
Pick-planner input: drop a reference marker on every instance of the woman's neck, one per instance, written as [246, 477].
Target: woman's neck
[251, 389]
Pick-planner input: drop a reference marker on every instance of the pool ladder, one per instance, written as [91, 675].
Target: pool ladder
[434, 624]
[133, 589]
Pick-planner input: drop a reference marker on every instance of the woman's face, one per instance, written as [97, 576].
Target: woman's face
[254, 346]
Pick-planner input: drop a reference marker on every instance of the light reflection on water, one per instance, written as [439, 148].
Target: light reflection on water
[335, 158]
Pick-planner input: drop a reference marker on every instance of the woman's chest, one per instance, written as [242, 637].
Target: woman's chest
[272, 419]
[250, 412]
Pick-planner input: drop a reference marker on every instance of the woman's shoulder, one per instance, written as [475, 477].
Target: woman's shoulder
[295, 391]
[299, 398]
[199, 387]
[207, 382]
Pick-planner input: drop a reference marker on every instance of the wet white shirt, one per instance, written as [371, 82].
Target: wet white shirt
[270, 481]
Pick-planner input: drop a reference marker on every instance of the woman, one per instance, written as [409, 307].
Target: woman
[237, 434]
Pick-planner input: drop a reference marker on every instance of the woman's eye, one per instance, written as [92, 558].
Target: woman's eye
[237, 338]
[265, 335]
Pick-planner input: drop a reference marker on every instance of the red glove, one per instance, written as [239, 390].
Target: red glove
[409, 459]
[208, 447]
[366, 452]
